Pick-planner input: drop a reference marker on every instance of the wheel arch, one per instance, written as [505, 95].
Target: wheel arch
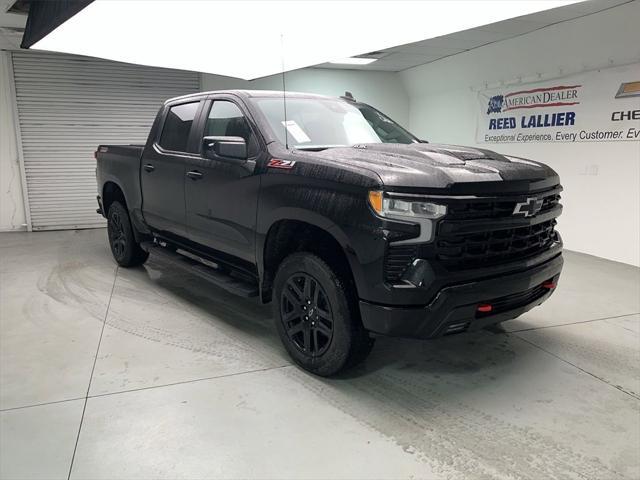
[315, 234]
[111, 192]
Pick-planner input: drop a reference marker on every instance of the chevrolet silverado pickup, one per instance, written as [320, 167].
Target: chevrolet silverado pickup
[350, 225]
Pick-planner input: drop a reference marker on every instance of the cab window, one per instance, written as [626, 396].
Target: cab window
[177, 126]
[227, 120]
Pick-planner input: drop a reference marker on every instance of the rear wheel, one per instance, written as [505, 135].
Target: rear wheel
[316, 316]
[126, 251]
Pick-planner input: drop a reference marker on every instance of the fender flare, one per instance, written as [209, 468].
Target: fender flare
[312, 218]
[116, 182]
[135, 216]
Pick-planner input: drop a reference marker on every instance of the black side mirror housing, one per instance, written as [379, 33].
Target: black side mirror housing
[224, 148]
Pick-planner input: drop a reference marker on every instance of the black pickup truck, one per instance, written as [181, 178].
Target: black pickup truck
[349, 223]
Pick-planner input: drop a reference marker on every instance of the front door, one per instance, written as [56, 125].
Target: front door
[162, 170]
[221, 195]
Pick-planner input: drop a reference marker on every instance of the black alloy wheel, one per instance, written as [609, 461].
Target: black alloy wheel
[306, 314]
[126, 251]
[317, 316]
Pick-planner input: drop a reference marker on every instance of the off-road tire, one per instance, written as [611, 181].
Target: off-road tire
[126, 251]
[348, 342]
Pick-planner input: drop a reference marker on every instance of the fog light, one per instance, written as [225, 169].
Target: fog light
[484, 308]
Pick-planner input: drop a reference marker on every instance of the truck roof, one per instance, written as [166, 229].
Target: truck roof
[250, 94]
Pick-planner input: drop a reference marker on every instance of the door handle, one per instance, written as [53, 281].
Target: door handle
[149, 168]
[195, 175]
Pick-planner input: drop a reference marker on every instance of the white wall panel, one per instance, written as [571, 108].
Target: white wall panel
[67, 105]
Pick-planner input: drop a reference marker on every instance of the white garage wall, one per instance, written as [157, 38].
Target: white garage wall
[601, 180]
[380, 89]
[11, 201]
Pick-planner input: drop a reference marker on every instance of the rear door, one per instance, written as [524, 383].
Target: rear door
[163, 166]
[222, 194]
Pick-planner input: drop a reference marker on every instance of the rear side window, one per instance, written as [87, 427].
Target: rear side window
[177, 126]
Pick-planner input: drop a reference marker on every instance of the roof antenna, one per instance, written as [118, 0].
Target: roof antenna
[348, 96]
[284, 95]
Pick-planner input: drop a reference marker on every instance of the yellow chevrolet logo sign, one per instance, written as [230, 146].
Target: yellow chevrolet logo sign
[629, 89]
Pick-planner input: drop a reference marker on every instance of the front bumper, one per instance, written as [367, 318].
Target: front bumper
[455, 308]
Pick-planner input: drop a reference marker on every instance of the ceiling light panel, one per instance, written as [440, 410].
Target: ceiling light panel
[354, 61]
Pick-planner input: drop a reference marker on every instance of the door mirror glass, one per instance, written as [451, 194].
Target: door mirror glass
[225, 119]
[224, 148]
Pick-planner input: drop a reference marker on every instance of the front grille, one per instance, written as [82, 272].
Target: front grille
[504, 304]
[482, 208]
[493, 247]
[396, 261]
[494, 241]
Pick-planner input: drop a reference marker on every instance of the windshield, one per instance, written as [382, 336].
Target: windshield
[319, 122]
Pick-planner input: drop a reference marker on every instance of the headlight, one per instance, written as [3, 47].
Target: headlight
[395, 207]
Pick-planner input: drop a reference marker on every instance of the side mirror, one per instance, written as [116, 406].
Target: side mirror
[220, 148]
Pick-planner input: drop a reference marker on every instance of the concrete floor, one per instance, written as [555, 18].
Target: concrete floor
[148, 373]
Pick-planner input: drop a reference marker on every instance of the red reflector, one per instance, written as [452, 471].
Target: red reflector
[485, 308]
[549, 285]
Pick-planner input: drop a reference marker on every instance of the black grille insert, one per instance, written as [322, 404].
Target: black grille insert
[460, 251]
[482, 208]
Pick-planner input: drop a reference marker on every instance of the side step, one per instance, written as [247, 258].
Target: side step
[193, 264]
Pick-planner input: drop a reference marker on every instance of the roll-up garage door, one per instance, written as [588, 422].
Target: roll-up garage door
[67, 105]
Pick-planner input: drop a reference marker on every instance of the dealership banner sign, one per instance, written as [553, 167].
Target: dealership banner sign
[602, 105]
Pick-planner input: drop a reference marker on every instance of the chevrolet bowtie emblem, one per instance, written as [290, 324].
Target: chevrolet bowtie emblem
[528, 208]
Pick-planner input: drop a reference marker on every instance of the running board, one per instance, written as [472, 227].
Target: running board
[196, 265]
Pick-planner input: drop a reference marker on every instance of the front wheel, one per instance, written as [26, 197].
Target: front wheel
[126, 251]
[316, 316]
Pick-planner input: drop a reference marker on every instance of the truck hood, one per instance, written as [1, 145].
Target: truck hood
[429, 165]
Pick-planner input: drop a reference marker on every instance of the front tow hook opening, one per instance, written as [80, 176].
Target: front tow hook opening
[484, 308]
[509, 302]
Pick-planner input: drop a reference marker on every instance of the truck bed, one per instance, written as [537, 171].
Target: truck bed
[120, 164]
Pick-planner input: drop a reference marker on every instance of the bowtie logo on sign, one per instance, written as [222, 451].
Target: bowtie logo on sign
[528, 208]
[629, 89]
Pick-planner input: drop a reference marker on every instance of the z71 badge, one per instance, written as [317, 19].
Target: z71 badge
[277, 163]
